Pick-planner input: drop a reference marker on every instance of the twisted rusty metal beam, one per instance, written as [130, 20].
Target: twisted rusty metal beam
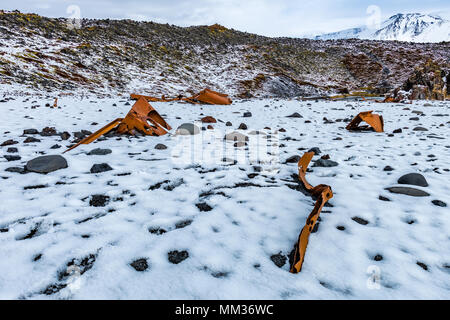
[323, 193]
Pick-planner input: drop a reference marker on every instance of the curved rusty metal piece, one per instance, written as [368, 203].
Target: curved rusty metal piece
[212, 97]
[206, 96]
[150, 98]
[97, 134]
[388, 100]
[323, 193]
[137, 120]
[374, 120]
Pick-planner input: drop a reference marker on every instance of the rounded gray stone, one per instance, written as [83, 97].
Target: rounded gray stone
[101, 167]
[324, 163]
[99, 152]
[415, 179]
[160, 146]
[236, 136]
[293, 159]
[140, 265]
[243, 126]
[439, 203]
[177, 257]
[20, 170]
[295, 115]
[187, 129]
[46, 164]
[408, 191]
[30, 131]
[316, 150]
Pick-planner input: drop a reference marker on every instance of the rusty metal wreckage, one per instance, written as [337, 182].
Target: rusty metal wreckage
[375, 122]
[143, 118]
[205, 96]
[138, 118]
[323, 193]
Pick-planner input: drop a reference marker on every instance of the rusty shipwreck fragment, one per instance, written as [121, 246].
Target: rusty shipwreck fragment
[388, 100]
[323, 193]
[210, 97]
[375, 121]
[205, 96]
[142, 118]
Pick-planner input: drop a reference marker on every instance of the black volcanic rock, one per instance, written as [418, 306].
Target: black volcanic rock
[177, 257]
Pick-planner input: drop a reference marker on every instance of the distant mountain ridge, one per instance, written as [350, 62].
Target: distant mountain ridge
[411, 27]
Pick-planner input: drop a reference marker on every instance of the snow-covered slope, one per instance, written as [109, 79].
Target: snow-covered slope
[121, 56]
[413, 27]
[55, 244]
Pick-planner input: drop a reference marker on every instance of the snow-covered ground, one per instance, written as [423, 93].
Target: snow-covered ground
[53, 241]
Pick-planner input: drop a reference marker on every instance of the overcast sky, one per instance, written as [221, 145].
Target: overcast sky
[292, 18]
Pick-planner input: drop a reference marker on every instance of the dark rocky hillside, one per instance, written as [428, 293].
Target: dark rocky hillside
[120, 56]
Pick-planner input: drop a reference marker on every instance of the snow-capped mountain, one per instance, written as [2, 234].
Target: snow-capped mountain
[414, 27]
